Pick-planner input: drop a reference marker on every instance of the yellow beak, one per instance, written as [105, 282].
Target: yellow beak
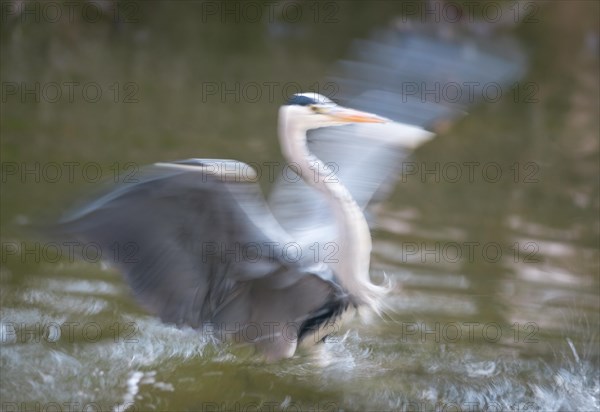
[355, 116]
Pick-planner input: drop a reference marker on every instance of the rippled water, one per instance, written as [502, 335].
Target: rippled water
[496, 289]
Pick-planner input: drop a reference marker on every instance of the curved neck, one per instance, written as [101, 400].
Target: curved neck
[354, 237]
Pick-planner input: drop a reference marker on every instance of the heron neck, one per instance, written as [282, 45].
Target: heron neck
[354, 238]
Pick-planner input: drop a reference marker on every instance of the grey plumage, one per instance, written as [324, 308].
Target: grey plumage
[196, 249]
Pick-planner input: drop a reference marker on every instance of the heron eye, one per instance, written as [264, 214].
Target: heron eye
[315, 109]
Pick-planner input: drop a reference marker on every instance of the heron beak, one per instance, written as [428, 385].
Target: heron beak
[355, 116]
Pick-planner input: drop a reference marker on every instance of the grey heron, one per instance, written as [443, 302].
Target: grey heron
[204, 248]
[199, 244]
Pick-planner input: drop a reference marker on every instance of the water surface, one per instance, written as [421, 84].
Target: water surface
[495, 300]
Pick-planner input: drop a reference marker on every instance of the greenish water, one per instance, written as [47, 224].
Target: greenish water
[511, 325]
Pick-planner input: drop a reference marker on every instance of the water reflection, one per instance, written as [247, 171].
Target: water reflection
[546, 308]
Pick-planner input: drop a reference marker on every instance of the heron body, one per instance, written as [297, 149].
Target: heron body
[187, 221]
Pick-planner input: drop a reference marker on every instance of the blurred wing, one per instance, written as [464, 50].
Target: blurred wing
[422, 77]
[419, 79]
[192, 239]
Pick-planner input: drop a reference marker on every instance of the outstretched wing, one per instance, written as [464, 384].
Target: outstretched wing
[418, 78]
[197, 243]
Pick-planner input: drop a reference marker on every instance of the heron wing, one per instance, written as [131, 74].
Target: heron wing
[195, 239]
[399, 75]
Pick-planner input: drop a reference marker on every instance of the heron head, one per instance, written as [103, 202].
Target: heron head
[312, 111]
